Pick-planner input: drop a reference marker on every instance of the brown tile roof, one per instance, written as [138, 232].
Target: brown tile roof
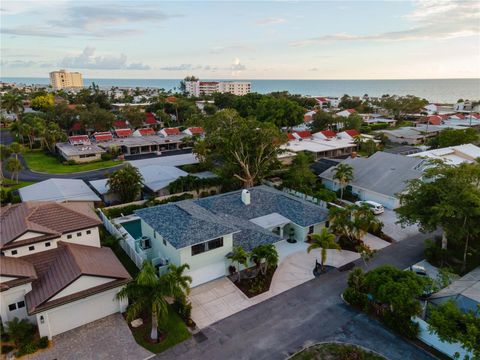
[21, 270]
[50, 219]
[62, 266]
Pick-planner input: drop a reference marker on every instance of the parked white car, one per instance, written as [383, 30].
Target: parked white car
[375, 207]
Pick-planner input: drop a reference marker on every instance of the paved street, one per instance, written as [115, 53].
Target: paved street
[306, 314]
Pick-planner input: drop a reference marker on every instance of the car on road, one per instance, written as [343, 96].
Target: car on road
[375, 207]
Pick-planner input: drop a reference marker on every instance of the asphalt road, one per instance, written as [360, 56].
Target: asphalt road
[310, 313]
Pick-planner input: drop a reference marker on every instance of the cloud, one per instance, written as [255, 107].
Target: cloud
[234, 47]
[432, 19]
[34, 31]
[17, 64]
[88, 60]
[238, 66]
[270, 21]
[181, 67]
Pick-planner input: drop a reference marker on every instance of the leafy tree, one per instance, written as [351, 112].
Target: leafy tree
[450, 199]
[12, 103]
[369, 147]
[321, 121]
[281, 112]
[265, 257]
[93, 96]
[127, 182]
[353, 222]
[399, 106]
[43, 102]
[210, 109]
[96, 118]
[343, 173]
[52, 134]
[13, 166]
[299, 175]
[224, 100]
[353, 121]
[453, 137]
[347, 102]
[149, 292]
[20, 331]
[240, 256]
[323, 241]
[245, 148]
[63, 116]
[453, 325]
[5, 153]
[134, 116]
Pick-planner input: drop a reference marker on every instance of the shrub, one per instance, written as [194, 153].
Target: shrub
[6, 349]
[20, 331]
[28, 348]
[434, 253]
[355, 298]
[43, 342]
[69, 162]
[183, 308]
[326, 195]
[106, 156]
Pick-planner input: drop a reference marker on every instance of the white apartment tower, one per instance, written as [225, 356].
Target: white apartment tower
[65, 80]
[197, 88]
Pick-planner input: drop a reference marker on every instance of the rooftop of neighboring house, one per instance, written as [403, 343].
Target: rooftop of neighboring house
[58, 190]
[171, 131]
[58, 268]
[453, 155]
[317, 144]
[196, 130]
[45, 220]
[103, 136]
[188, 222]
[296, 135]
[134, 141]
[76, 150]
[383, 173]
[20, 272]
[150, 119]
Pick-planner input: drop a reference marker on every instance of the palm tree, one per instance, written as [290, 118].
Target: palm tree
[264, 256]
[5, 153]
[126, 182]
[12, 102]
[323, 241]
[343, 173]
[358, 140]
[179, 282]
[13, 166]
[240, 256]
[148, 292]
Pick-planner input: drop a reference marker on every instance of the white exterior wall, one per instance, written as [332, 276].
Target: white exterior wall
[92, 239]
[158, 247]
[13, 296]
[69, 316]
[208, 257]
[83, 283]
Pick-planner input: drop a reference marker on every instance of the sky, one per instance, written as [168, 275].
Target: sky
[242, 39]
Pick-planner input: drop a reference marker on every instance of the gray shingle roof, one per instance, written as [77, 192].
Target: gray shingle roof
[190, 222]
[383, 173]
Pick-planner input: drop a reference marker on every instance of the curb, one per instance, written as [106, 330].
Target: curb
[340, 343]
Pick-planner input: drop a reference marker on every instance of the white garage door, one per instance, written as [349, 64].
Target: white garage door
[82, 312]
[208, 273]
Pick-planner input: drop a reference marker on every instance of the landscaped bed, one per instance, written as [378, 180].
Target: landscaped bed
[252, 281]
[171, 332]
[336, 351]
[39, 161]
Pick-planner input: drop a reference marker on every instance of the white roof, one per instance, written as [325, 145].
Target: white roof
[58, 190]
[270, 221]
[100, 186]
[317, 145]
[157, 177]
[453, 155]
[171, 160]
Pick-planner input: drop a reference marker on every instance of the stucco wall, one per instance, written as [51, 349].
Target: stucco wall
[83, 283]
[10, 296]
[158, 247]
[207, 257]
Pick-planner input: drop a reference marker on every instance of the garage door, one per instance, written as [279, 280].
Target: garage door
[208, 273]
[82, 312]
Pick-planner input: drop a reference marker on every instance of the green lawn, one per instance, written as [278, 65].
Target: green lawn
[175, 329]
[38, 161]
[333, 351]
[8, 184]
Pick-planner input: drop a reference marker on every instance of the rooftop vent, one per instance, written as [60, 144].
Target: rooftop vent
[246, 197]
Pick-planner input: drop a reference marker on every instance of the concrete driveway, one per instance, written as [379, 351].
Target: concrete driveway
[107, 338]
[394, 230]
[220, 298]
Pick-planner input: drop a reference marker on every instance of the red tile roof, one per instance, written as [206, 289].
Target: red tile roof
[328, 133]
[352, 132]
[196, 130]
[146, 131]
[120, 124]
[434, 119]
[79, 139]
[322, 99]
[76, 126]
[103, 136]
[150, 119]
[171, 131]
[171, 99]
[123, 132]
[303, 134]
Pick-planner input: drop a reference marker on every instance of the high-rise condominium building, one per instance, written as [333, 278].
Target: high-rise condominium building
[197, 88]
[65, 80]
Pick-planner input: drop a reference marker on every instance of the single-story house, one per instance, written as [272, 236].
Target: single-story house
[414, 135]
[346, 113]
[194, 131]
[79, 149]
[202, 232]
[453, 155]
[60, 190]
[140, 144]
[143, 132]
[378, 178]
[166, 132]
[52, 268]
[348, 134]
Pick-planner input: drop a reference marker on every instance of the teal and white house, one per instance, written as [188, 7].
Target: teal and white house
[202, 232]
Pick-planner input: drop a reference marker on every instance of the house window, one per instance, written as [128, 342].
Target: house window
[69, 236]
[89, 232]
[79, 234]
[21, 304]
[47, 244]
[198, 249]
[12, 307]
[31, 248]
[310, 229]
[214, 244]
[164, 242]
[14, 252]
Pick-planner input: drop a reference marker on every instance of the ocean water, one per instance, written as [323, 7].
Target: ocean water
[438, 90]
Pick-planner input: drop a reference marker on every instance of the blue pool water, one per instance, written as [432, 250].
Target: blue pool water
[134, 228]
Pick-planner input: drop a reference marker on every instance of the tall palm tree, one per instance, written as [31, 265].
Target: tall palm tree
[179, 282]
[240, 256]
[12, 102]
[323, 241]
[5, 153]
[264, 256]
[343, 173]
[14, 166]
[148, 292]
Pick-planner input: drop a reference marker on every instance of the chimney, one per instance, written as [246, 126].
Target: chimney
[354, 154]
[246, 197]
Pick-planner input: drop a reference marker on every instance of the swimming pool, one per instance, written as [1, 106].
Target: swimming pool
[134, 228]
